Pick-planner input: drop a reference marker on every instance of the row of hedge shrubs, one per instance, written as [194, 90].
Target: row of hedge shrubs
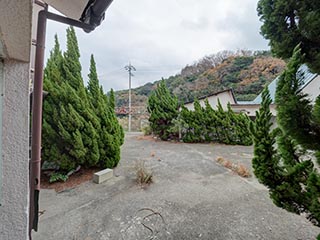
[204, 124]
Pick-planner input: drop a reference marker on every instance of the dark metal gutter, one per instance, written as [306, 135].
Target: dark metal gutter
[98, 8]
[94, 12]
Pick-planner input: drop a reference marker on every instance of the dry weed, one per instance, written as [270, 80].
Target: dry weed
[227, 164]
[243, 171]
[147, 138]
[220, 160]
[240, 169]
[144, 175]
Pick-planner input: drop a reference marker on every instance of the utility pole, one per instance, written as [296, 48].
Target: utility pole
[130, 68]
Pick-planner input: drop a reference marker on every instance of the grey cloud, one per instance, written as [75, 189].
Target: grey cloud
[195, 24]
[160, 37]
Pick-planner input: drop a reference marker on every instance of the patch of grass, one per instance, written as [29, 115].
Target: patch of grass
[56, 176]
[144, 176]
[147, 130]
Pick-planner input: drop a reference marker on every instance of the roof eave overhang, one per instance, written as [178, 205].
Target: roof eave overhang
[91, 12]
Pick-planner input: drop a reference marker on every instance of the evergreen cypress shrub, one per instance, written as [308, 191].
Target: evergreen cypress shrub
[110, 132]
[205, 124]
[79, 124]
[222, 124]
[199, 128]
[291, 176]
[163, 109]
[81, 139]
[52, 84]
[242, 126]
[187, 133]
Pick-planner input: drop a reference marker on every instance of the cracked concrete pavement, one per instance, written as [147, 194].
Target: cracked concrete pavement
[192, 197]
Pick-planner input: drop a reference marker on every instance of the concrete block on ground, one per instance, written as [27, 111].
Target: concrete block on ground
[102, 176]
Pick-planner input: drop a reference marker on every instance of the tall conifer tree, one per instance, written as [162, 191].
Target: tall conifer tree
[163, 109]
[292, 179]
[112, 100]
[288, 23]
[79, 126]
[84, 135]
[110, 132]
[69, 123]
[52, 84]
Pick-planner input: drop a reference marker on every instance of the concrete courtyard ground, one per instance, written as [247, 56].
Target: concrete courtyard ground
[192, 197]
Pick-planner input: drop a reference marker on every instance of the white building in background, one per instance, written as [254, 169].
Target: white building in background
[310, 86]
[225, 97]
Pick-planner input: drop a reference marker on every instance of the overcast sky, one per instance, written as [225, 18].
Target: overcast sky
[160, 37]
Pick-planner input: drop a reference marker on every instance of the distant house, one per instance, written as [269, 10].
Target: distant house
[225, 97]
[310, 86]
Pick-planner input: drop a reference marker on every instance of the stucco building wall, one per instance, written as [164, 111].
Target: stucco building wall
[224, 97]
[15, 42]
[250, 109]
[15, 149]
[313, 89]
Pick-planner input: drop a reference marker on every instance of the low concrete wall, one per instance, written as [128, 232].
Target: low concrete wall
[103, 175]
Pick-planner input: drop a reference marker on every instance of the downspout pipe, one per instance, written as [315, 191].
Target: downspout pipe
[36, 128]
[35, 163]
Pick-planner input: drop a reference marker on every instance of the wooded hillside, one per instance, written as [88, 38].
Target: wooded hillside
[246, 72]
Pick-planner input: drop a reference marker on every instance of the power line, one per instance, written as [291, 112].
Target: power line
[162, 68]
[165, 70]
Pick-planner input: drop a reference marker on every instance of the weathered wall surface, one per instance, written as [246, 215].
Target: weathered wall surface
[15, 29]
[15, 41]
[15, 150]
